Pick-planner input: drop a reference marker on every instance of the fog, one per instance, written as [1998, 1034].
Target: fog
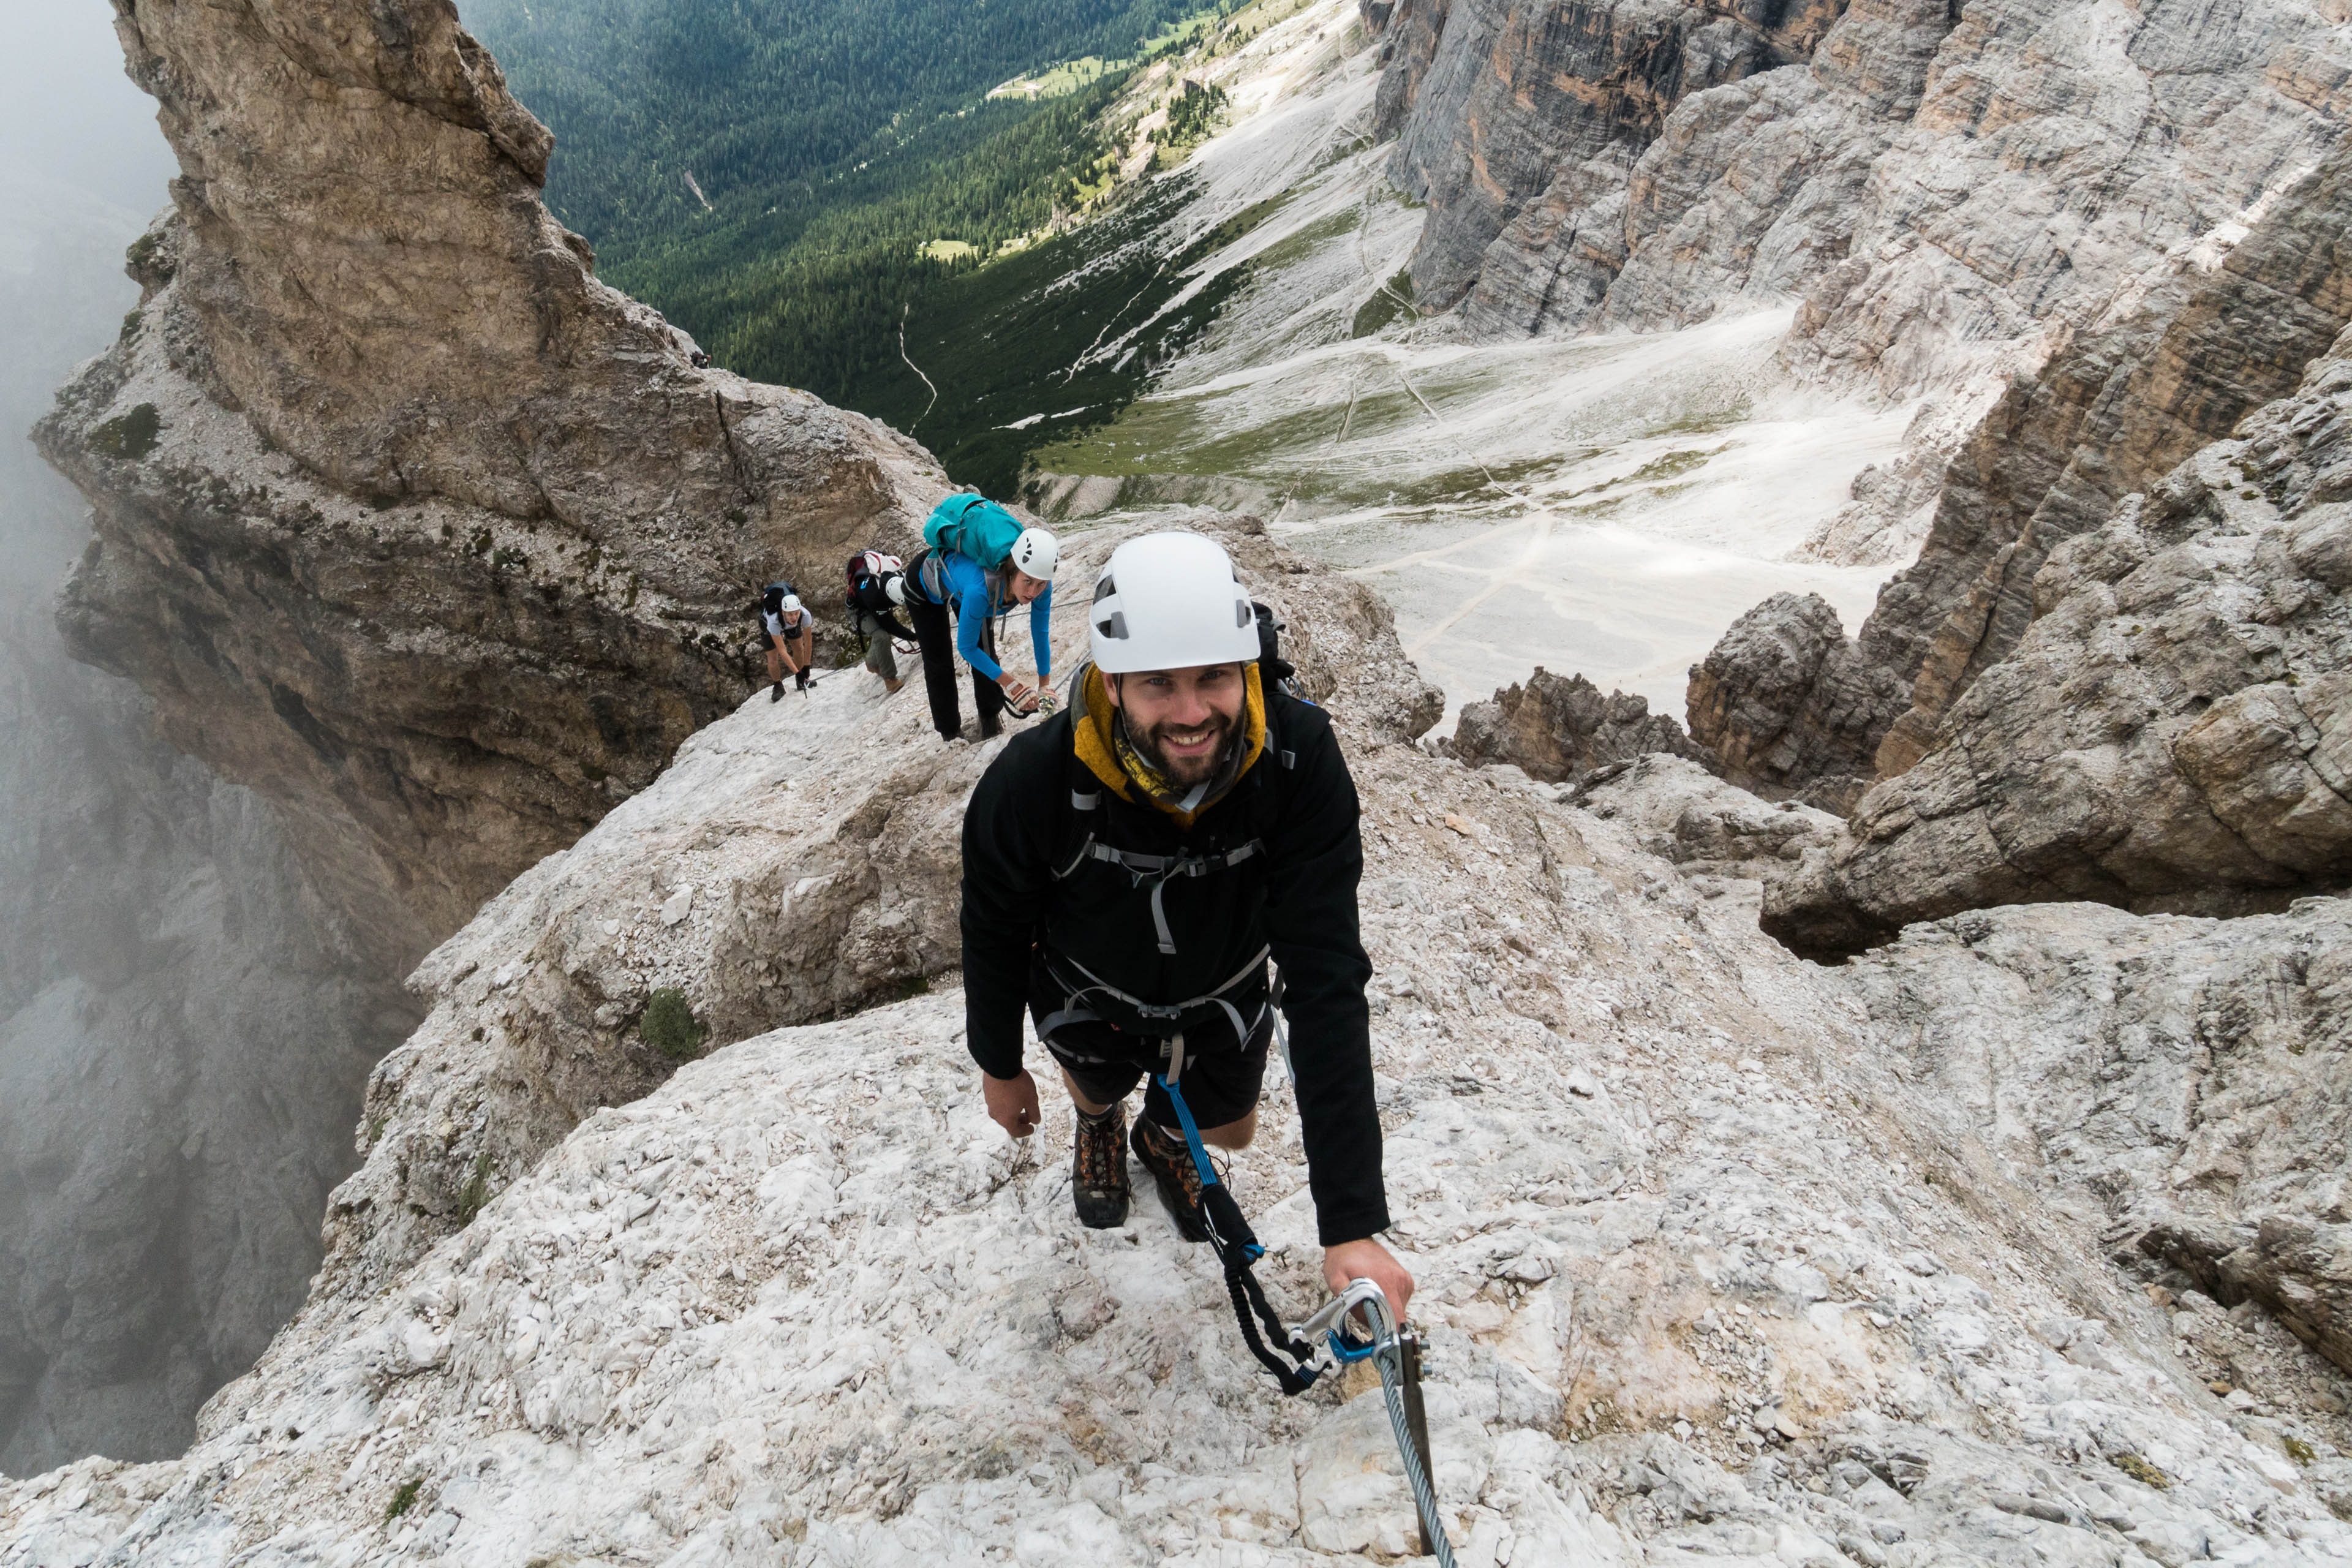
[183, 1035]
[69, 113]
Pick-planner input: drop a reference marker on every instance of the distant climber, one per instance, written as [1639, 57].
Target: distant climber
[980, 563]
[878, 591]
[790, 632]
[1127, 871]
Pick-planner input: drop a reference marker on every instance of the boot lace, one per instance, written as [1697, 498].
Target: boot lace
[1172, 1152]
[1102, 1150]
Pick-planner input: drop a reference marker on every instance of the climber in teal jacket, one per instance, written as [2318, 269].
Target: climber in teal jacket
[938, 580]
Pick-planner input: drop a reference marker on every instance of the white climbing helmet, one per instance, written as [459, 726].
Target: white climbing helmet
[792, 605]
[1171, 601]
[894, 585]
[1034, 554]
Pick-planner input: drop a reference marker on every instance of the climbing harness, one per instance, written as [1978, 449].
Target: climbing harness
[1393, 1350]
[1073, 1011]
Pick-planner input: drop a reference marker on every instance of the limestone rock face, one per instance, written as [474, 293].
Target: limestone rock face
[403, 518]
[1502, 95]
[2302, 1272]
[1934, 181]
[1988, 216]
[2101, 421]
[2109, 413]
[2188, 1082]
[1784, 701]
[1749, 187]
[1558, 728]
[1681, 813]
[2168, 733]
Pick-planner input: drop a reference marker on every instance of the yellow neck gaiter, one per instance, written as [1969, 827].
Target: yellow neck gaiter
[1123, 770]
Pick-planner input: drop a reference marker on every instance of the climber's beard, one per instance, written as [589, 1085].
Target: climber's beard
[1186, 755]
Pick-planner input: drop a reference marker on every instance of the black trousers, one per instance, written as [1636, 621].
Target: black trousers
[935, 635]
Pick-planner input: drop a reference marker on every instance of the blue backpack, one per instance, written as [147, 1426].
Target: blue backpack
[975, 526]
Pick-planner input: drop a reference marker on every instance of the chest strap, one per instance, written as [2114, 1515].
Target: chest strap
[1156, 870]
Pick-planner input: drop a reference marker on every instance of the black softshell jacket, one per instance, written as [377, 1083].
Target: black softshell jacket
[1298, 897]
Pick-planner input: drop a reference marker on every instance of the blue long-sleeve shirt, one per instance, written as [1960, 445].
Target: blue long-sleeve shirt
[970, 590]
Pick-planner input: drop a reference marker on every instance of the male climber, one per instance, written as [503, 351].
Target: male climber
[1129, 866]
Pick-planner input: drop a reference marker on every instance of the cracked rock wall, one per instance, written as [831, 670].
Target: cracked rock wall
[1941, 185]
[2168, 733]
[2107, 415]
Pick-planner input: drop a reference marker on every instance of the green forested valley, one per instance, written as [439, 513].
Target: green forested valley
[794, 181]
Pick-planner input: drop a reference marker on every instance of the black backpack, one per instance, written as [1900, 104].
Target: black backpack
[869, 582]
[1272, 669]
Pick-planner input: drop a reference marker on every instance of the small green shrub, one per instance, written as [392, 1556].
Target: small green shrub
[670, 1026]
[144, 260]
[2140, 1470]
[403, 1498]
[131, 326]
[475, 1195]
[2301, 1452]
[129, 436]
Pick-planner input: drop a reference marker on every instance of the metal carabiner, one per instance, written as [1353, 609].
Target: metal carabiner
[1398, 1356]
[1329, 1320]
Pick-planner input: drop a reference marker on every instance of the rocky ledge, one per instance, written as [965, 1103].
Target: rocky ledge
[798, 861]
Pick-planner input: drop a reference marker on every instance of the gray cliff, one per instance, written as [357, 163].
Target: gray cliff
[185, 1026]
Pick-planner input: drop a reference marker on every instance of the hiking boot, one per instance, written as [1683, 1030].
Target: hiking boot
[776, 692]
[892, 687]
[1170, 1164]
[1098, 1169]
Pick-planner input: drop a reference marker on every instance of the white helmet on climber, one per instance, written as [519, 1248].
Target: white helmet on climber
[1171, 601]
[1034, 554]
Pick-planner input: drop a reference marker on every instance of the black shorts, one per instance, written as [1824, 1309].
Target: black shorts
[1220, 1081]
